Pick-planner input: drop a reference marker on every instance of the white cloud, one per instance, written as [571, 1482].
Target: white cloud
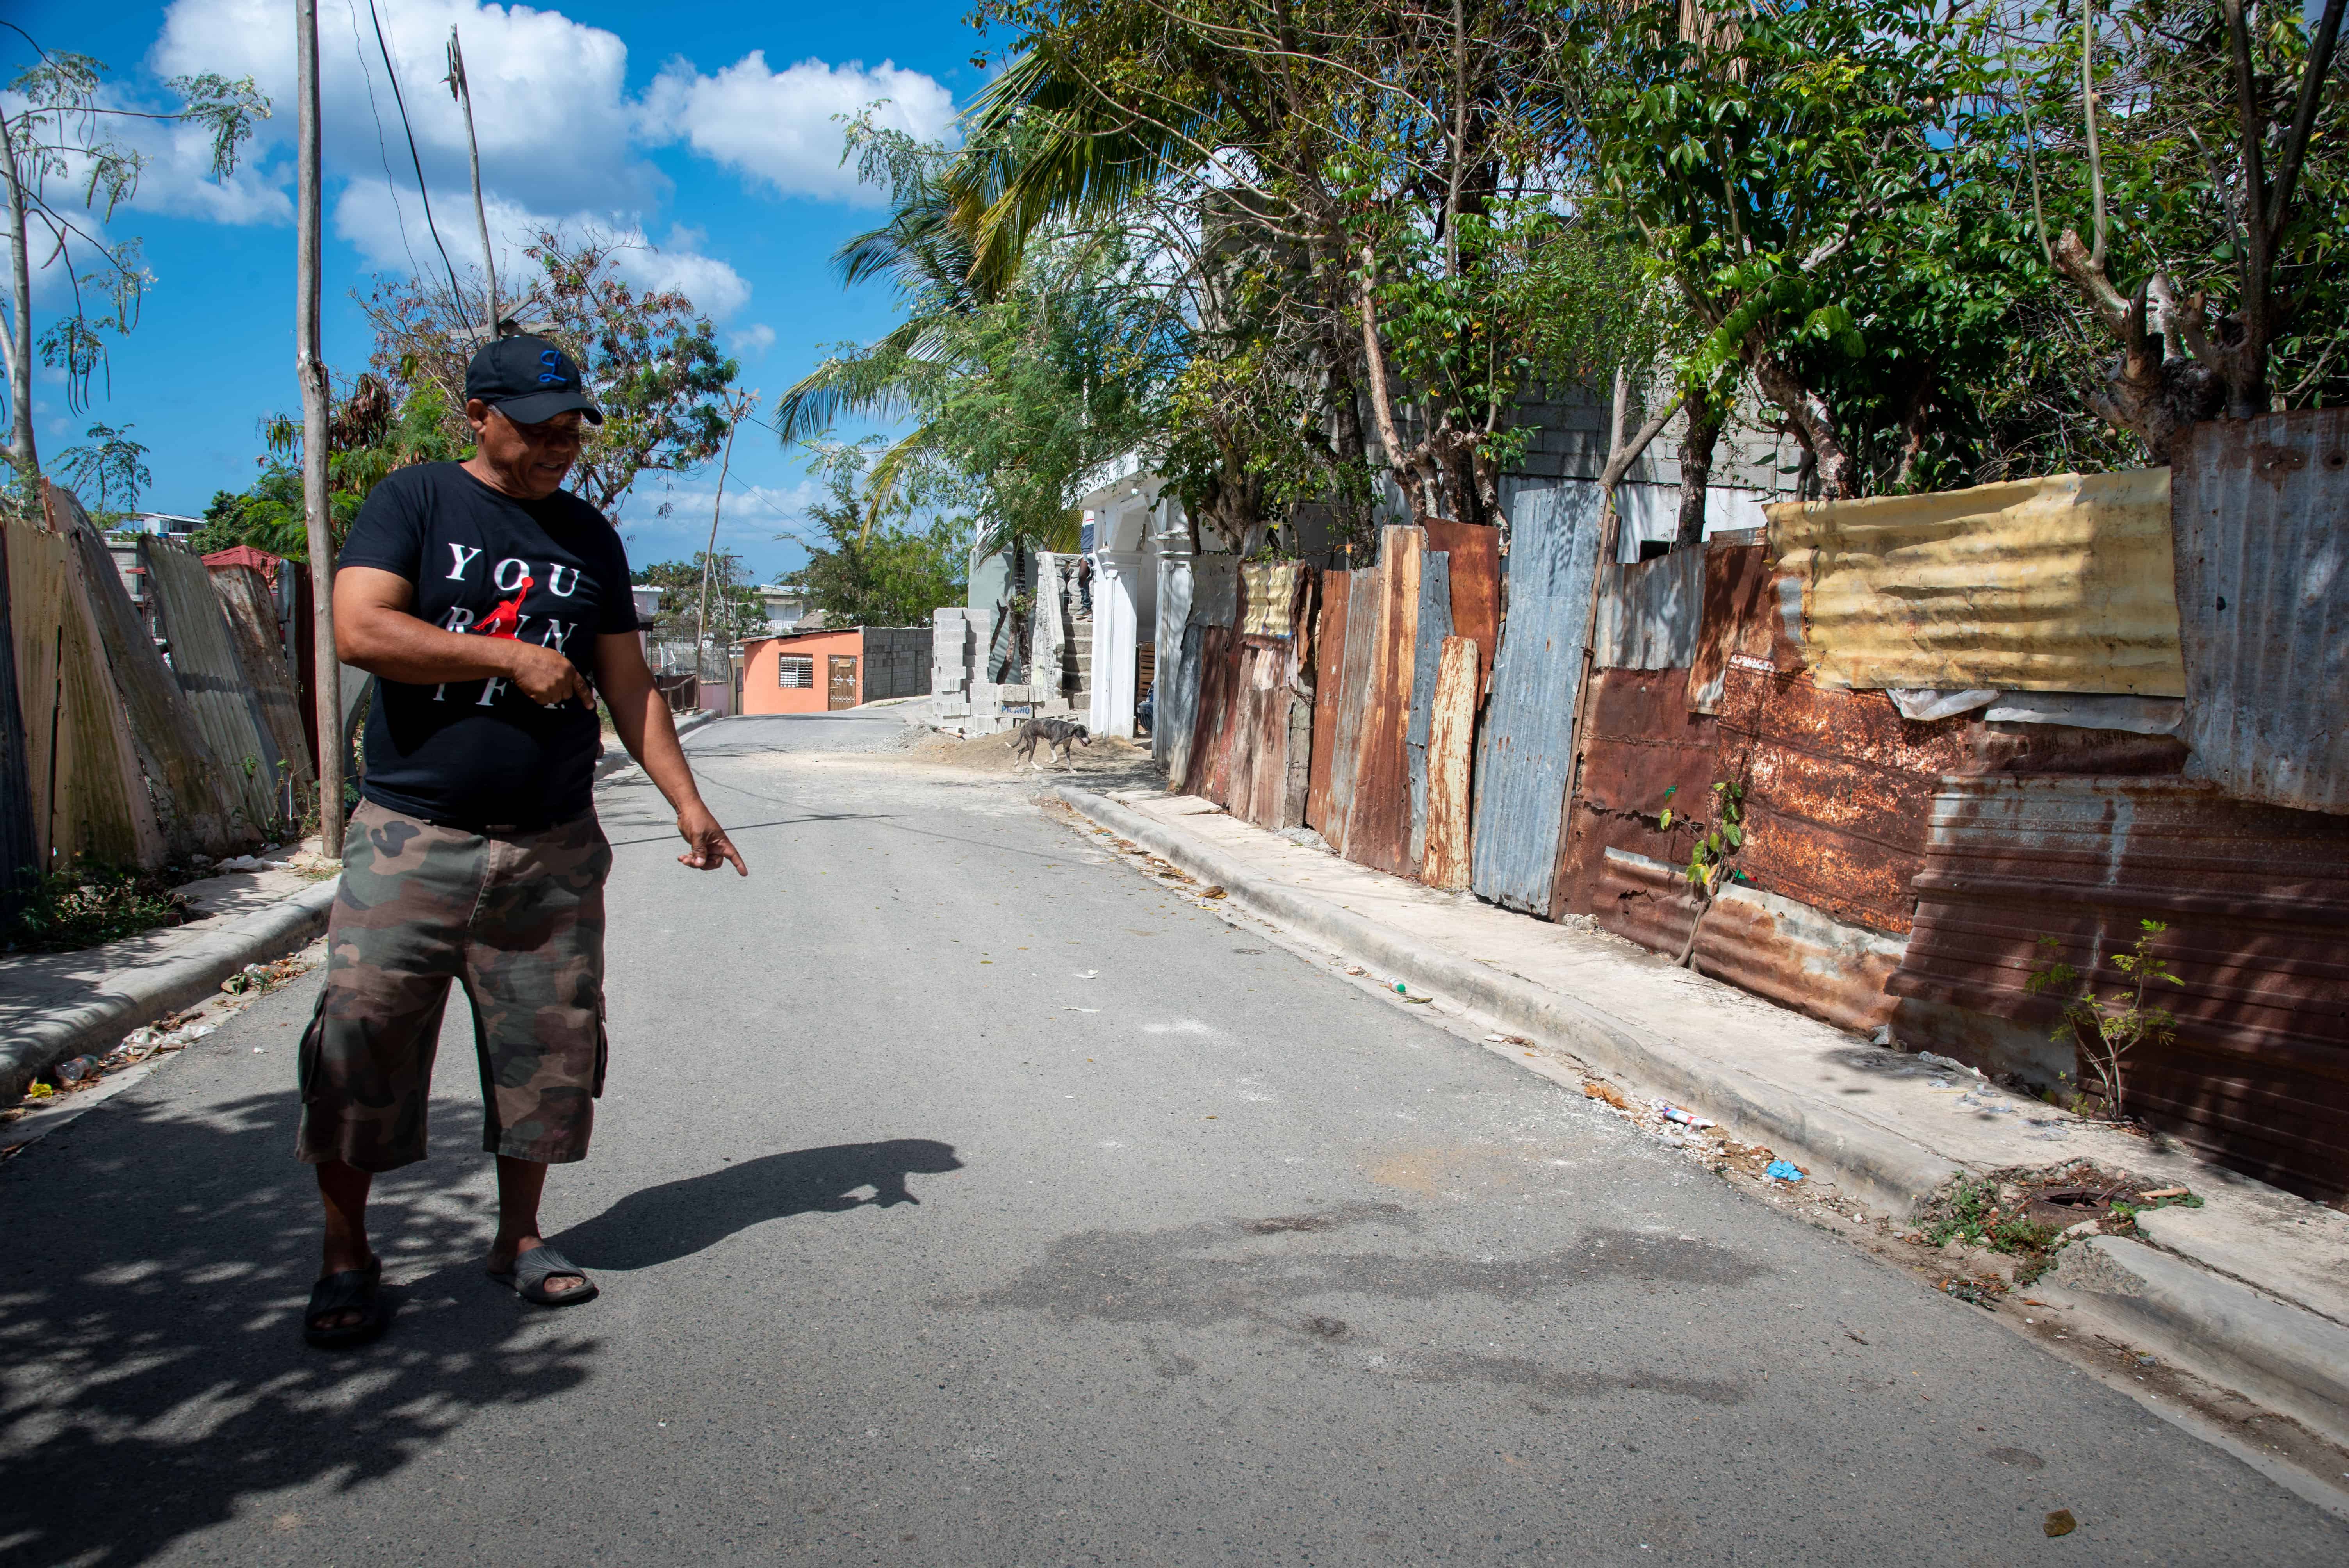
[713, 286]
[550, 103]
[753, 515]
[752, 342]
[782, 128]
[562, 142]
[392, 237]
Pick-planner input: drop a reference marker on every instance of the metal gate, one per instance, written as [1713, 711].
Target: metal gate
[841, 690]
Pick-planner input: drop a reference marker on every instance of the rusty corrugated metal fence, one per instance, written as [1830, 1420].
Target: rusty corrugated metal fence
[2262, 509]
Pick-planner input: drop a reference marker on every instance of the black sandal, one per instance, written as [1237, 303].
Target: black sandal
[534, 1268]
[350, 1290]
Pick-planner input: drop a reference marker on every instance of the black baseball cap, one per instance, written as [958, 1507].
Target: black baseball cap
[528, 379]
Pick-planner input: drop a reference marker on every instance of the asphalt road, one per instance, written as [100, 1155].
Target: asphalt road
[961, 1198]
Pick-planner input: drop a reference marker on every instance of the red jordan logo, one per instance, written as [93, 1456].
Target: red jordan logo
[506, 621]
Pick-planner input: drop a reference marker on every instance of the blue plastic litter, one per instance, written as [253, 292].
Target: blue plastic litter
[1784, 1170]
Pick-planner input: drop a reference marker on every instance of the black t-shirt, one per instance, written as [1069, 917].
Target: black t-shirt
[481, 753]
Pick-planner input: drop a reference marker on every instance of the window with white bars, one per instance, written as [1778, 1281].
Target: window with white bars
[794, 672]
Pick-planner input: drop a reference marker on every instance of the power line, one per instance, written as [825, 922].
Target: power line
[456, 292]
[391, 186]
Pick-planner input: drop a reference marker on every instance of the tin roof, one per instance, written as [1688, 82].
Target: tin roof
[260, 561]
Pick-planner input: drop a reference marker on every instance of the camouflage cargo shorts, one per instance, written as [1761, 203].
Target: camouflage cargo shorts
[519, 921]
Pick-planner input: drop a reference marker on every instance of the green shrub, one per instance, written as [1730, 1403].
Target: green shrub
[82, 906]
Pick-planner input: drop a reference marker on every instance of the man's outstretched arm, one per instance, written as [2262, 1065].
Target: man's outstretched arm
[650, 735]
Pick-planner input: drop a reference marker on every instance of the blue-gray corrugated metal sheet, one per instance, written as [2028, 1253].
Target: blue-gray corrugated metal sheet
[1175, 676]
[211, 673]
[1434, 625]
[2259, 512]
[1527, 753]
[1648, 611]
[1364, 603]
[1175, 711]
[193, 806]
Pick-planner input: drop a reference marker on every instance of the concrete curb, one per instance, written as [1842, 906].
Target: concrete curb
[2291, 1360]
[1884, 1167]
[612, 761]
[129, 998]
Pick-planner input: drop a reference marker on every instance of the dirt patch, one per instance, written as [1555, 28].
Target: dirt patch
[998, 754]
[2032, 1212]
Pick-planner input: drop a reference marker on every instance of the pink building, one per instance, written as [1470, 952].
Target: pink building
[816, 672]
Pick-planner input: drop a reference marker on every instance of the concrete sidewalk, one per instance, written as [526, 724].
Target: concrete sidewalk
[56, 1005]
[2251, 1289]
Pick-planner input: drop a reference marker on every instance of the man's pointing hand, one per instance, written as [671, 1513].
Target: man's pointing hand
[707, 845]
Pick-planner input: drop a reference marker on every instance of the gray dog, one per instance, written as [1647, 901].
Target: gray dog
[1056, 735]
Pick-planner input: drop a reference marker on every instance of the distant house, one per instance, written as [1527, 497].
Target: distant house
[786, 607]
[819, 671]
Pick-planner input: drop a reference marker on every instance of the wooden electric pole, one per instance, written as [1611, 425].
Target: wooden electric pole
[735, 412]
[311, 371]
[464, 93]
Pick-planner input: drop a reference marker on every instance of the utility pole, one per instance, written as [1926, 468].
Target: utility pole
[735, 415]
[464, 93]
[311, 370]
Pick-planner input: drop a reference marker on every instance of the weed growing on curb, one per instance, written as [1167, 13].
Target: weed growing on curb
[83, 906]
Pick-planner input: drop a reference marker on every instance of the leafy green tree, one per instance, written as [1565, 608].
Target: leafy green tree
[267, 515]
[109, 473]
[2202, 173]
[367, 439]
[872, 565]
[56, 131]
[1013, 389]
[650, 359]
[1806, 179]
[735, 611]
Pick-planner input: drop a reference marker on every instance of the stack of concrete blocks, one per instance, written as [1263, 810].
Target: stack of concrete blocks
[953, 651]
[1061, 640]
[961, 701]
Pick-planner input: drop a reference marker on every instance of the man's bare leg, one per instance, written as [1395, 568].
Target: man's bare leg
[344, 1190]
[519, 1181]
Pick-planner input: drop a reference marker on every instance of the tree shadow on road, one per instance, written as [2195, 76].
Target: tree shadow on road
[660, 1225]
[153, 1377]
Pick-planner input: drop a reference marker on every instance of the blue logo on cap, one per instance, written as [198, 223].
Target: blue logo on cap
[553, 361]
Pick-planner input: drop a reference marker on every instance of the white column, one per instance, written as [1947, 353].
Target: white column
[1114, 629]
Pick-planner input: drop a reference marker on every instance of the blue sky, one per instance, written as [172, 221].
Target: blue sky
[706, 129]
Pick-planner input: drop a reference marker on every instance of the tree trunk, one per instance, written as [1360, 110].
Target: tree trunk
[1705, 417]
[2154, 395]
[311, 370]
[1375, 362]
[1813, 421]
[22, 449]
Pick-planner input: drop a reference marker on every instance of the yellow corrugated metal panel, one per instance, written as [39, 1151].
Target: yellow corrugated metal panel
[1268, 598]
[2063, 583]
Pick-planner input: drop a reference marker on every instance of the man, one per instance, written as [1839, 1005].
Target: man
[491, 607]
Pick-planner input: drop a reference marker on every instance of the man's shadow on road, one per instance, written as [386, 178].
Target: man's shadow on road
[661, 1224]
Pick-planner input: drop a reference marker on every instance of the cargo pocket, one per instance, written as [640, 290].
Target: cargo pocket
[306, 1054]
[602, 1050]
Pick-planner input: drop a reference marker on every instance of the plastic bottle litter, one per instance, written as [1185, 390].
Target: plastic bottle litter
[1671, 1112]
[1784, 1170]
